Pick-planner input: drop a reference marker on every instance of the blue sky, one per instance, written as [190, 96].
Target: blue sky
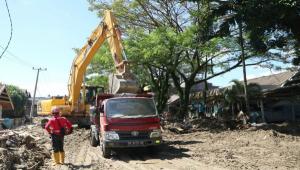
[45, 31]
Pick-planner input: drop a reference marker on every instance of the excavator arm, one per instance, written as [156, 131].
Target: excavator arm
[121, 81]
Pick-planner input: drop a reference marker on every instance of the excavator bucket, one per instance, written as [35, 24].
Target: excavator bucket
[118, 84]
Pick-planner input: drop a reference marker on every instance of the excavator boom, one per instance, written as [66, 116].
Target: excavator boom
[121, 81]
[75, 106]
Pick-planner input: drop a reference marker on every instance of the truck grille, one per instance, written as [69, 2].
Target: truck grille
[127, 135]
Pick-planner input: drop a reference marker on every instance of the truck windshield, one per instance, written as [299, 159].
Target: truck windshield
[130, 108]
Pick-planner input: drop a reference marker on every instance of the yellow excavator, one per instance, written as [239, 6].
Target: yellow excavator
[76, 106]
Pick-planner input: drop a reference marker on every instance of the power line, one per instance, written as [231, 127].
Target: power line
[18, 59]
[11, 30]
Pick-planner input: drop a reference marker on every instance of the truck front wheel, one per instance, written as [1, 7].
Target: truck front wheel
[154, 150]
[105, 151]
[93, 140]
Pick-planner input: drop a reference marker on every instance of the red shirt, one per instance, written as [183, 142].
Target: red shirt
[54, 125]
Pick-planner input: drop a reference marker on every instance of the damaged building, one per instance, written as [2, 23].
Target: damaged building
[283, 103]
[6, 105]
[277, 101]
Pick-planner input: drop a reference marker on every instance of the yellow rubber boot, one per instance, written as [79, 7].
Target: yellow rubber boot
[62, 157]
[55, 158]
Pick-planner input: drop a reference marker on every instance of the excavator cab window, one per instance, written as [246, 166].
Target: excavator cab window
[92, 92]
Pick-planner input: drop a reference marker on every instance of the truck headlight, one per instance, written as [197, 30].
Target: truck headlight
[111, 135]
[155, 133]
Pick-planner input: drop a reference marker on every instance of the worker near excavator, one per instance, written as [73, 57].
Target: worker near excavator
[58, 127]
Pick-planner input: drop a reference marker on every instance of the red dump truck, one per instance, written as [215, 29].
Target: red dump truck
[123, 121]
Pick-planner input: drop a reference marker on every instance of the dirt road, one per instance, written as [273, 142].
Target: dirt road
[80, 155]
[247, 149]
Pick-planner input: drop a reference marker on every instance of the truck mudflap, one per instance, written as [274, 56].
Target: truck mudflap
[132, 143]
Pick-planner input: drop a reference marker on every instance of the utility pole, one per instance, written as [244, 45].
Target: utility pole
[36, 81]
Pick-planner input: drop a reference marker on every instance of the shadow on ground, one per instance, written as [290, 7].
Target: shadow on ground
[289, 128]
[178, 142]
[72, 166]
[164, 152]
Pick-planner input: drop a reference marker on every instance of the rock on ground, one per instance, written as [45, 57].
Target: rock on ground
[23, 148]
[199, 147]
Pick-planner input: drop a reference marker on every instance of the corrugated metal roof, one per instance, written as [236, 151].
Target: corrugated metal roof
[272, 81]
[266, 83]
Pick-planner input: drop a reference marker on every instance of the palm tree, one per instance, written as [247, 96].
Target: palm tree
[233, 13]
[234, 95]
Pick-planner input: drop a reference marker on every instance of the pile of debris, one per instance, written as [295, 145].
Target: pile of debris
[202, 124]
[21, 149]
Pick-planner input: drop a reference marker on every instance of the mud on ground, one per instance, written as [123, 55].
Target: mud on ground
[253, 148]
[275, 146]
[23, 148]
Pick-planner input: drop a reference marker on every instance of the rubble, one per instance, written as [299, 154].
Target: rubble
[202, 144]
[203, 124]
[23, 148]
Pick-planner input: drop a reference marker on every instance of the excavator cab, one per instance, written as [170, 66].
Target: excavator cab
[91, 92]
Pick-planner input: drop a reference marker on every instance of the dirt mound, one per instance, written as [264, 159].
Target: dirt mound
[290, 128]
[252, 148]
[21, 150]
[203, 124]
[6, 159]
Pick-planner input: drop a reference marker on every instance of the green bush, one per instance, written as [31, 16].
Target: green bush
[18, 98]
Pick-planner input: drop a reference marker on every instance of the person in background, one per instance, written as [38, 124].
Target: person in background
[58, 127]
[242, 117]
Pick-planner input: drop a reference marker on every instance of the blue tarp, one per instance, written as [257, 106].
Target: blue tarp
[8, 123]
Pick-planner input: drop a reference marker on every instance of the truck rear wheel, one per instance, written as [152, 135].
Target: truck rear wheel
[105, 151]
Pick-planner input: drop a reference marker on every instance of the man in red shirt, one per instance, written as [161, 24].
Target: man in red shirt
[57, 127]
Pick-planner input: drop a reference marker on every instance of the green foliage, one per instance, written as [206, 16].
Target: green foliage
[156, 47]
[184, 40]
[149, 55]
[235, 93]
[102, 62]
[269, 24]
[18, 98]
[164, 45]
[98, 80]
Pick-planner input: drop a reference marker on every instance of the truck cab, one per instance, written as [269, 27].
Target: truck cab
[123, 122]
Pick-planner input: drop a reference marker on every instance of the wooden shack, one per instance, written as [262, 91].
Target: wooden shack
[6, 105]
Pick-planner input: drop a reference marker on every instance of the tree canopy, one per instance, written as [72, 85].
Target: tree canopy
[181, 43]
[18, 98]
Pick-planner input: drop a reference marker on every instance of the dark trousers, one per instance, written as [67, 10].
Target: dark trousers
[57, 143]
